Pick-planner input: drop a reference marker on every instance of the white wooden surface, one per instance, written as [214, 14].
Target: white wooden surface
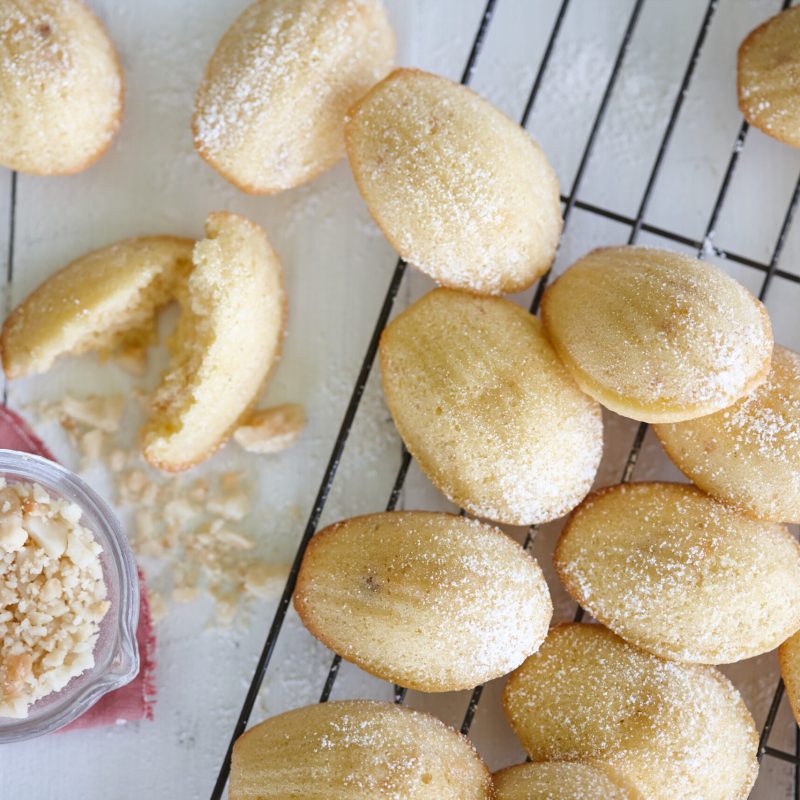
[337, 270]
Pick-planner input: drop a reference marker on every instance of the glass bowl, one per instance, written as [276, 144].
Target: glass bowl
[116, 653]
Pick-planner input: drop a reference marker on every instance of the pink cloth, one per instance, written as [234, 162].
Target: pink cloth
[136, 700]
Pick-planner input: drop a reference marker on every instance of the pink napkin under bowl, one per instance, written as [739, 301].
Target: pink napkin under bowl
[135, 700]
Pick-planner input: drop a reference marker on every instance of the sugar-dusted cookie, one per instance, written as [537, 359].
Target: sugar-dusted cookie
[356, 750]
[487, 409]
[270, 111]
[459, 189]
[105, 301]
[768, 77]
[674, 730]
[61, 87]
[680, 574]
[789, 656]
[229, 335]
[748, 454]
[655, 335]
[563, 780]
[433, 602]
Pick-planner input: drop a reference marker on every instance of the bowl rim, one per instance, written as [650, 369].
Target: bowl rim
[123, 664]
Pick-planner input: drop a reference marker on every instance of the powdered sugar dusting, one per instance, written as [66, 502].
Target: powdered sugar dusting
[458, 188]
[357, 749]
[655, 334]
[60, 86]
[430, 601]
[749, 453]
[491, 415]
[270, 111]
[769, 74]
[674, 730]
[673, 571]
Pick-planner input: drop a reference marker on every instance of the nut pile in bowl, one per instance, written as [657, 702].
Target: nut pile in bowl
[52, 595]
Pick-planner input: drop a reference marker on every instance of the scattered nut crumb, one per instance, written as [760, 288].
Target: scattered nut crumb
[95, 411]
[265, 580]
[158, 606]
[117, 459]
[195, 528]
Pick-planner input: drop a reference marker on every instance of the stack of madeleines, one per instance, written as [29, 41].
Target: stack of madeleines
[501, 410]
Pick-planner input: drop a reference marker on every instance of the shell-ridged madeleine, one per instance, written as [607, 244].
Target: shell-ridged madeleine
[433, 602]
[270, 111]
[747, 454]
[678, 573]
[228, 338]
[789, 655]
[356, 750]
[563, 780]
[104, 301]
[459, 189]
[674, 730]
[487, 409]
[768, 77]
[657, 336]
[61, 87]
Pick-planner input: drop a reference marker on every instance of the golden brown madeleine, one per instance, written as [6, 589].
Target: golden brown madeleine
[657, 336]
[789, 656]
[674, 730]
[61, 87]
[748, 454]
[229, 335]
[356, 750]
[433, 602]
[563, 780]
[484, 405]
[768, 77]
[680, 574]
[270, 111]
[104, 301]
[460, 190]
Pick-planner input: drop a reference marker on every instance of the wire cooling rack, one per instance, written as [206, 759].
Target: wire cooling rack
[769, 272]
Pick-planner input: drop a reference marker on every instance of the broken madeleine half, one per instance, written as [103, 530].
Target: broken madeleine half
[657, 336]
[674, 730]
[228, 337]
[435, 602]
[563, 780]
[768, 77]
[486, 408]
[358, 750]
[789, 656]
[269, 114]
[749, 453]
[105, 301]
[460, 190]
[674, 571]
[61, 87]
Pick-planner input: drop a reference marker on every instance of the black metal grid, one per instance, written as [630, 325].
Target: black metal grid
[570, 201]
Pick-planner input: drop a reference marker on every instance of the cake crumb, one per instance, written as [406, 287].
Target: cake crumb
[271, 430]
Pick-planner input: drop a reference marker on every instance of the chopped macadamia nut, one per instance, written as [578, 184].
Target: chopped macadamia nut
[117, 459]
[271, 430]
[91, 445]
[158, 606]
[265, 580]
[52, 595]
[103, 412]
